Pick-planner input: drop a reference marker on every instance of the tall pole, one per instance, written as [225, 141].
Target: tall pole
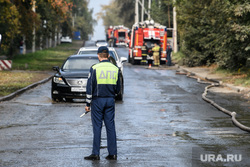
[149, 9]
[142, 11]
[136, 11]
[175, 47]
[169, 26]
[34, 30]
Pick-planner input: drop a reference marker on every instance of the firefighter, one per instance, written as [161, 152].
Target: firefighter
[110, 41]
[102, 85]
[156, 54]
[144, 54]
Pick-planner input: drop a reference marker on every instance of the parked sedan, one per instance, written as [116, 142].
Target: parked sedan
[71, 79]
[101, 43]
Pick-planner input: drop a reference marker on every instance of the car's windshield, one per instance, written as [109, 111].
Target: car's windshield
[151, 42]
[121, 35]
[84, 52]
[79, 63]
[101, 41]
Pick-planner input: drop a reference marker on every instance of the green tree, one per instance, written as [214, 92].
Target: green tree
[18, 20]
[118, 12]
[214, 31]
[9, 25]
[52, 15]
[126, 11]
[110, 15]
[162, 12]
[84, 21]
[234, 47]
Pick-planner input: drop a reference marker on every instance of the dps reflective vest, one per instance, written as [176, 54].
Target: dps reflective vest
[103, 81]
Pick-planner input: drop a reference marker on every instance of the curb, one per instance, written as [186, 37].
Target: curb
[231, 86]
[20, 91]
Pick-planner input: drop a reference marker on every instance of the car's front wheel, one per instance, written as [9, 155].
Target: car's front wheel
[57, 99]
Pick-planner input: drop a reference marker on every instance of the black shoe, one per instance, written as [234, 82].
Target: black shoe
[92, 157]
[111, 157]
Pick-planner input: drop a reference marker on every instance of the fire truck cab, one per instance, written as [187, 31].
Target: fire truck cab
[149, 32]
[118, 35]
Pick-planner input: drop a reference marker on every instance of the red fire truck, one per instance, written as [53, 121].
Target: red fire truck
[109, 34]
[119, 35]
[149, 32]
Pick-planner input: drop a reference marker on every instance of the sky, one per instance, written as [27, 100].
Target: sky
[99, 30]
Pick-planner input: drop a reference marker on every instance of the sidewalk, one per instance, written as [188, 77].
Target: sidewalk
[206, 73]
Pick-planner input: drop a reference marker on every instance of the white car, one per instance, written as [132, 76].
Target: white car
[101, 43]
[114, 58]
[66, 39]
[112, 53]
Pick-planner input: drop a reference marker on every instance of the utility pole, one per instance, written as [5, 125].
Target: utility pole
[175, 47]
[142, 11]
[169, 26]
[34, 30]
[136, 11]
[149, 8]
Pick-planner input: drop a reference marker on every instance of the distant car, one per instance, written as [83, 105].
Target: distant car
[112, 53]
[101, 43]
[66, 39]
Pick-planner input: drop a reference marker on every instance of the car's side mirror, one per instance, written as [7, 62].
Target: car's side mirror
[123, 59]
[56, 68]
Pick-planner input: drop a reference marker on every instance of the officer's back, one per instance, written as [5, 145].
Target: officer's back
[103, 79]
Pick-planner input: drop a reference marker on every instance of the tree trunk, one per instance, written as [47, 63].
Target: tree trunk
[24, 44]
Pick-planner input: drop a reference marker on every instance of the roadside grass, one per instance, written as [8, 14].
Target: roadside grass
[44, 60]
[178, 57]
[239, 78]
[13, 81]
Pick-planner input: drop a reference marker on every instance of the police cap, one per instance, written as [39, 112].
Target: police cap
[103, 49]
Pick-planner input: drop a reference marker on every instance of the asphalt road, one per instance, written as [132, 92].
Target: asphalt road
[162, 121]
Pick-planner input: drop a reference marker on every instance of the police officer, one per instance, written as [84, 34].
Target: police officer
[102, 86]
[144, 50]
[156, 54]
